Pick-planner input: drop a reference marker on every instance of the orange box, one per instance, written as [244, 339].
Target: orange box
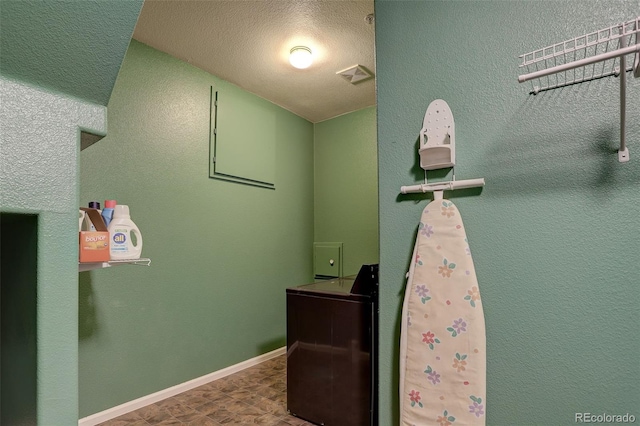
[94, 245]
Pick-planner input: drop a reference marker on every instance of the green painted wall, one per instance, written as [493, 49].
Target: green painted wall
[555, 233]
[59, 61]
[39, 144]
[70, 47]
[346, 186]
[222, 253]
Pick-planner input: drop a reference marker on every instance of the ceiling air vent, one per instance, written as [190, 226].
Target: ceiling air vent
[355, 74]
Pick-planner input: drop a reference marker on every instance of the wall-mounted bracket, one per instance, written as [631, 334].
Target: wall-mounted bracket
[636, 62]
[623, 156]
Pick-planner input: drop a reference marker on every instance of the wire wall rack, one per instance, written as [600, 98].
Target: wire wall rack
[590, 56]
[612, 51]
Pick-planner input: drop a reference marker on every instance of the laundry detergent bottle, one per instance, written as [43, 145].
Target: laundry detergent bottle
[126, 239]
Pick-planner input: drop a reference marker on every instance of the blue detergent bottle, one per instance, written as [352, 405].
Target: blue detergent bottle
[107, 213]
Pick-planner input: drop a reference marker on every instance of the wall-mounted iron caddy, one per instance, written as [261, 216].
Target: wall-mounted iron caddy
[438, 151]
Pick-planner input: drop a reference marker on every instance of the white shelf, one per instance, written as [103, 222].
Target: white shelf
[82, 267]
[588, 57]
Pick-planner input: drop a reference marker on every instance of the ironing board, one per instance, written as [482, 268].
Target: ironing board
[443, 342]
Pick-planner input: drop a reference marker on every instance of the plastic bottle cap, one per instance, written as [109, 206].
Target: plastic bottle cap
[120, 210]
[94, 205]
[109, 204]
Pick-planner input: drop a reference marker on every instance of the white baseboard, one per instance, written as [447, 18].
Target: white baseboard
[127, 407]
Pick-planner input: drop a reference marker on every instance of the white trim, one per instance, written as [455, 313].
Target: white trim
[127, 407]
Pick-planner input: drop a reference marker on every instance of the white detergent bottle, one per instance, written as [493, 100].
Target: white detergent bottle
[121, 230]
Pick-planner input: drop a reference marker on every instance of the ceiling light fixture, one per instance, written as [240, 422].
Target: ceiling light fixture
[300, 57]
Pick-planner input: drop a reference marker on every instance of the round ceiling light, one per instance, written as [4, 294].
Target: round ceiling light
[300, 57]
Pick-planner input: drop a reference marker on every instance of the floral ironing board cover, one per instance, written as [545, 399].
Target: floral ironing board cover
[443, 341]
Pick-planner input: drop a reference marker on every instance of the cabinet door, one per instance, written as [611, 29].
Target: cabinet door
[329, 371]
[327, 260]
[309, 358]
[351, 363]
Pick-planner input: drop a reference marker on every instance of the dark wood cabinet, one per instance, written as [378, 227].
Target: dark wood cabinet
[332, 350]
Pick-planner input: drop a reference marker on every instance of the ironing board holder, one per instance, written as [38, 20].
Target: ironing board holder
[442, 186]
[437, 150]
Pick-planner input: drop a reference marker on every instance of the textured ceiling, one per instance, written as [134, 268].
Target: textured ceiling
[248, 42]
